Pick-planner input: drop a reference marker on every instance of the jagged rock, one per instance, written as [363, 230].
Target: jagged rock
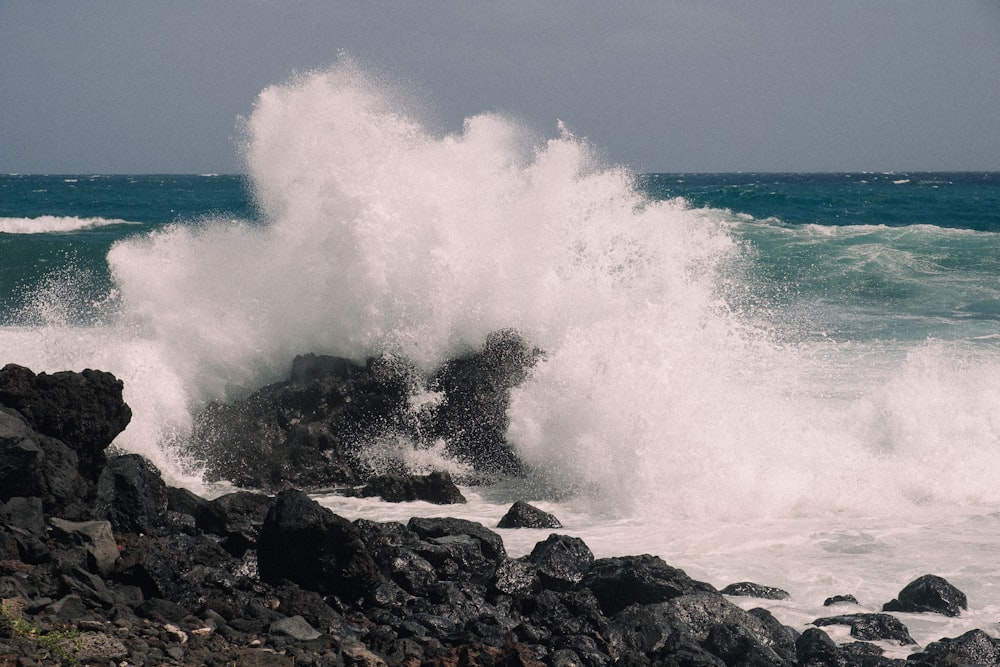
[750, 589]
[871, 627]
[306, 432]
[95, 537]
[929, 593]
[737, 645]
[472, 417]
[308, 544]
[436, 487]
[621, 581]
[35, 465]
[523, 515]
[516, 578]
[83, 410]
[439, 528]
[561, 561]
[975, 647]
[236, 518]
[814, 648]
[838, 599]
[131, 495]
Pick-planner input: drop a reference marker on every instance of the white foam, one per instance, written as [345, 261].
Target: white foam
[48, 224]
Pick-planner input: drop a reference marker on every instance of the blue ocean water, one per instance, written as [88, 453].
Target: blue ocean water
[786, 378]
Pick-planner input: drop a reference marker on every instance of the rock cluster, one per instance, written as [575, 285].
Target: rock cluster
[312, 431]
[101, 563]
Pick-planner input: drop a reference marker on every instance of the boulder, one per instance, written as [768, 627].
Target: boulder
[750, 589]
[131, 495]
[523, 515]
[436, 487]
[307, 432]
[869, 627]
[236, 518]
[975, 647]
[36, 465]
[561, 561]
[303, 542]
[929, 593]
[472, 417]
[814, 648]
[620, 581]
[836, 599]
[84, 410]
[95, 537]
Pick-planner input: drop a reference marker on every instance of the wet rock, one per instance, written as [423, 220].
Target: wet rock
[814, 648]
[490, 543]
[308, 544]
[836, 599]
[929, 593]
[236, 518]
[871, 627]
[517, 578]
[750, 589]
[975, 647]
[621, 581]
[737, 645]
[131, 495]
[472, 417]
[436, 487]
[561, 561]
[306, 432]
[523, 515]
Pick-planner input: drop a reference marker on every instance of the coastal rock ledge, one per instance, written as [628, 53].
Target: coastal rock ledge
[101, 563]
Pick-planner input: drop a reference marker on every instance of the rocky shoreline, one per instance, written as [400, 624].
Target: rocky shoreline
[102, 563]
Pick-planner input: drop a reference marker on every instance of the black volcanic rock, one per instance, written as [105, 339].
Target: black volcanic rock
[870, 627]
[436, 487]
[132, 495]
[750, 589]
[308, 544]
[561, 561]
[929, 593]
[837, 599]
[620, 581]
[235, 517]
[309, 431]
[975, 647]
[472, 418]
[523, 515]
[84, 410]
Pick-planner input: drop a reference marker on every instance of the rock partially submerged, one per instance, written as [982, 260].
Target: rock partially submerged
[523, 515]
[929, 593]
[436, 487]
[313, 430]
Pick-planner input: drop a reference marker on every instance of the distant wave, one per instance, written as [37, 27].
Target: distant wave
[47, 224]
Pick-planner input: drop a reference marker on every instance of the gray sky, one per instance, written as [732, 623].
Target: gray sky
[126, 86]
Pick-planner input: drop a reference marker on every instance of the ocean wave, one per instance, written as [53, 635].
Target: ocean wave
[51, 224]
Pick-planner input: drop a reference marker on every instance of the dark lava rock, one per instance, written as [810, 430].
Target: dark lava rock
[440, 528]
[561, 561]
[235, 517]
[84, 410]
[621, 581]
[472, 417]
[814, 648]
[836, 599]
[437, 488]
[306, 432]
[308, 544]
[974, 648]
[131, 495]
[749, 589]
[929, 593]
[870, 627]
[523, 515]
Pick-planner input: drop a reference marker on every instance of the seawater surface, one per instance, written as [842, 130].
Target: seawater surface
[786, 378]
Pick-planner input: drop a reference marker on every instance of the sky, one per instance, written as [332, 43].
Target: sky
[130, 86]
